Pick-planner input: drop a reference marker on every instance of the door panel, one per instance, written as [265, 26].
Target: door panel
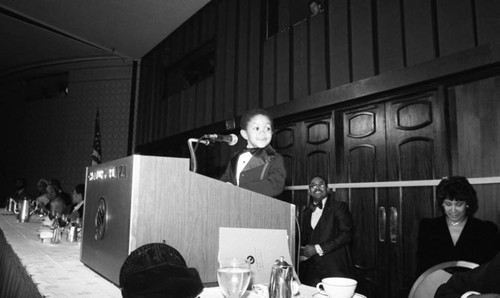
[318, 147]
[285, 142]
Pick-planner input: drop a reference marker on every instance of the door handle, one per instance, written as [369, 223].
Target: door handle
[393, 224]
[381, 224]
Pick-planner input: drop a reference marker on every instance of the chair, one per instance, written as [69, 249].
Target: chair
[428, 282]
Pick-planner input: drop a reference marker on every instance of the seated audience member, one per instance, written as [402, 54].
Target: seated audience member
[58, 205]
[42, 200]
[315, 7]
[157, 270]
[66, 197]
[456, 235]
[482, 281]
[327, 231]
[78, 200]
[20, 192]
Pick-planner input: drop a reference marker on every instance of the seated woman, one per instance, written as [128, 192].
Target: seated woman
[58, 205]
[456, 235]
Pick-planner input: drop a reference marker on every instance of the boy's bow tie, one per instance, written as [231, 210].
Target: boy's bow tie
[251, 150]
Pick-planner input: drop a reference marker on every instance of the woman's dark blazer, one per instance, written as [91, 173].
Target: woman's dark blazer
[479, 242]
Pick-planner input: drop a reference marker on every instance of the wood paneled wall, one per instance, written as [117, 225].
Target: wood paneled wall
[159, 116]
[349, 41]
[476, 138]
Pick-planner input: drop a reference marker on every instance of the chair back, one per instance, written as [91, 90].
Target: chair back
[427, 283]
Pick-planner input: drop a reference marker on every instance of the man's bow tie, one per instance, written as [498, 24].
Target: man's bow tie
[319, 205]
[251, 150]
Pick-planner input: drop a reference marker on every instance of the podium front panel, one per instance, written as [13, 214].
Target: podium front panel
[106, 230]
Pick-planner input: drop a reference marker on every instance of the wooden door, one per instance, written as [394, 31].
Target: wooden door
[397, 140]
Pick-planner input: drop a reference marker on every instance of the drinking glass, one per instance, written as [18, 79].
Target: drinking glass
[233, 276]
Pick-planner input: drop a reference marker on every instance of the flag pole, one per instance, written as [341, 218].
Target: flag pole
[96, 157]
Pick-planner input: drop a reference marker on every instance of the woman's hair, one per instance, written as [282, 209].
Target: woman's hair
[43, 182]
[457, 188]
[247, 117]
[54, 188]
[55, 183]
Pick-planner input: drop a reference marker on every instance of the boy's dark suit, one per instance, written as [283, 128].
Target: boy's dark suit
[334, 234]
[484, 279]
[265, 172]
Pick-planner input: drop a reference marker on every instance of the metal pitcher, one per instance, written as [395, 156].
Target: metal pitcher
[280, 285]
[24, 212]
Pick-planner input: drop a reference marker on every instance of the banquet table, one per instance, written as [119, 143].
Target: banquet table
[30, 268]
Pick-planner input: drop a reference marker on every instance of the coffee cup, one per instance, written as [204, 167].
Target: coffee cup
[337, 287]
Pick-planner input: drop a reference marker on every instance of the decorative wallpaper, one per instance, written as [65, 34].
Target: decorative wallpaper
[53, 138]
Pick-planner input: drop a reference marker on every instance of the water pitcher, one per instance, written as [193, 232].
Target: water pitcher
[24, 212]
[280, 285]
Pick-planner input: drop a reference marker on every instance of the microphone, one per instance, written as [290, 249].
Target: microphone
[231, 139]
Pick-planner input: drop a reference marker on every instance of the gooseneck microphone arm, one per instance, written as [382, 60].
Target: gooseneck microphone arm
[193, 161]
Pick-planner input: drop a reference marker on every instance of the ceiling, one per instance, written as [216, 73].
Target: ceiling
[37, 33]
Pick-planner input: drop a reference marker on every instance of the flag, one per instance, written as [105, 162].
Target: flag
[96, 148]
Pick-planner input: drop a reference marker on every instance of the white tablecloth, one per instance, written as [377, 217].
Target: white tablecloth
[55, 269]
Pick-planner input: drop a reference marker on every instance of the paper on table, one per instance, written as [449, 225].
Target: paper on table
[263, 246]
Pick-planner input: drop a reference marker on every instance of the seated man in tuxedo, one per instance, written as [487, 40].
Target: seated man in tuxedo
[327, 231]
[482, 281]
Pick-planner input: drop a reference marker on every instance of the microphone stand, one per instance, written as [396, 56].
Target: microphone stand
[194, 164]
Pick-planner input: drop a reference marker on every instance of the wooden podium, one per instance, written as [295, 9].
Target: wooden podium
[138, 200]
